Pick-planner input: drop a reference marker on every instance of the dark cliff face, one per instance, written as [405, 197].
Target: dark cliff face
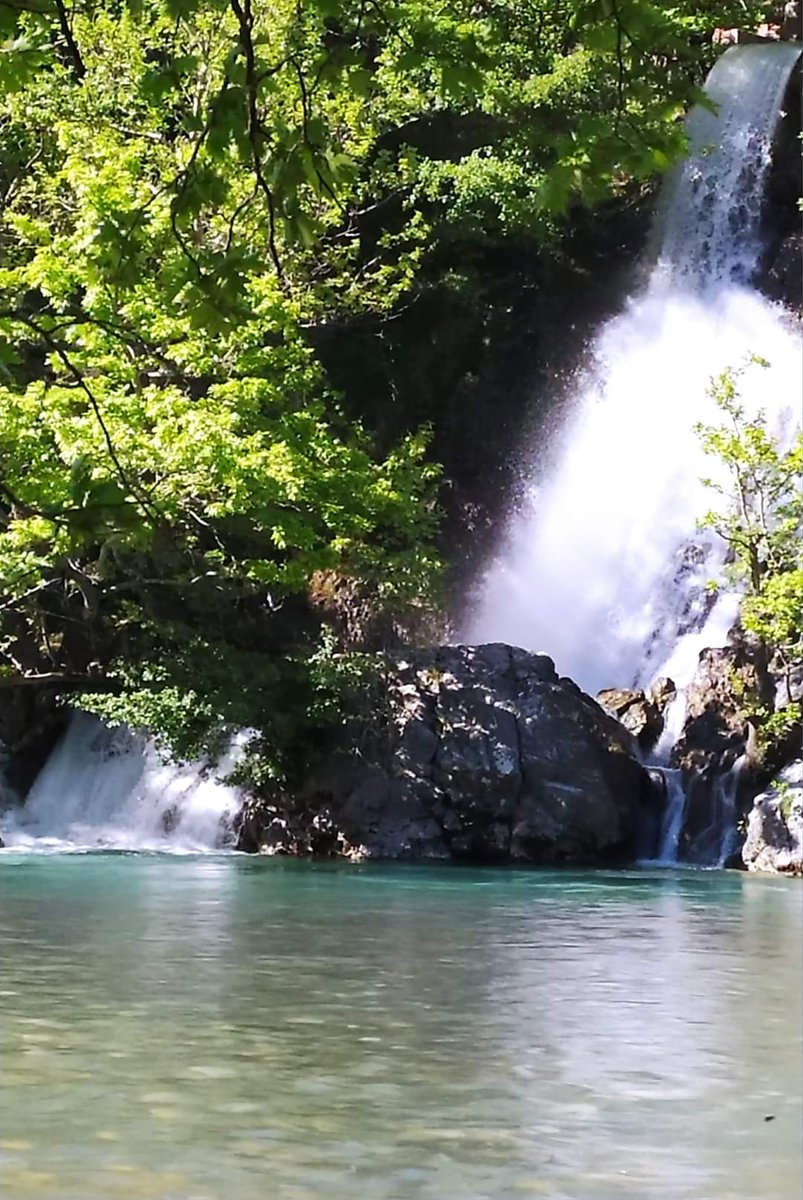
[781, 270]
[31, 722]
[485, 363]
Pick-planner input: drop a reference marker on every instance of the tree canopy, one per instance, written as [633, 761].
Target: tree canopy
[188, 188]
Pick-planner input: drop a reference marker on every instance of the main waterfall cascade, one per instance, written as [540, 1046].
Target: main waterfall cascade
[602, 565]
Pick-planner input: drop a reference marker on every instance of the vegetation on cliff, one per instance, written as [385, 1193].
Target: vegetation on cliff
[191, 191]
[759, 513]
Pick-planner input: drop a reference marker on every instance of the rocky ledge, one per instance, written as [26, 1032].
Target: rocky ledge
[774, 839]
[472, 753]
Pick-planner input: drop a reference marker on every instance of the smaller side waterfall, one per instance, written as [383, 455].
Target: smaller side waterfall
[673, 817]
[107, 788]
[709, 835]
[693, 822]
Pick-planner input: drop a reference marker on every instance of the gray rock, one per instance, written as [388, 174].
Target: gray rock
[725, 758]
[774, 839]
[715, 727]
[477, 753]
[640, 712]
[789, 688]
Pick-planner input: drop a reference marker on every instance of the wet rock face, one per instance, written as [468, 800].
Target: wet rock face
[642, 713]
[480, 754]
[774, 840]
[783, 279]
[792, 21]
[714, 729]
[780, 273]
[715, 750]
[725, 760]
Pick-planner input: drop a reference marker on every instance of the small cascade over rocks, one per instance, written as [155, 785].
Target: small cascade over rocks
[107, 788]
[674, 815]
[602, 564]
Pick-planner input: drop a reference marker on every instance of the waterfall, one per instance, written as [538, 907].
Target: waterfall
[106, 788]
[602, 565]
[674, 813]
[708, 225]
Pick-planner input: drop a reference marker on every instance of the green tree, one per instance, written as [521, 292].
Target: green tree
[188, 189]
[760, 516]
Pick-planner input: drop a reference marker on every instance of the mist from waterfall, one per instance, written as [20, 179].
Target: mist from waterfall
[602, 565]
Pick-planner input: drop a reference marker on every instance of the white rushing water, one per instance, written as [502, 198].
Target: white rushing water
[674, 815]
[109, 789]
[602, 565]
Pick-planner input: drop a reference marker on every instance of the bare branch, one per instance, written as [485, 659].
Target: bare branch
[245, 19]
[63, 683]
[76, 62]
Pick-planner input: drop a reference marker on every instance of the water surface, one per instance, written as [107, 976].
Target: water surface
[238, 1029]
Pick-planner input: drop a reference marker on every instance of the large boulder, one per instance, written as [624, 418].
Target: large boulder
[475, 753]
[774, 840]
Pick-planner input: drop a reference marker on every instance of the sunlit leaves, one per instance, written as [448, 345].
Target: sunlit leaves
[760, 515]
[190, 188]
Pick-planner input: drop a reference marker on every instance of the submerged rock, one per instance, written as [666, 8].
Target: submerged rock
[474, 753]
[774, 839]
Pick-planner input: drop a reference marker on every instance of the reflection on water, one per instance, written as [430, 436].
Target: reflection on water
[201, 1029]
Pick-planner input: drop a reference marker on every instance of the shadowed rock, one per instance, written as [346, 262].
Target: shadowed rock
[475, 753]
